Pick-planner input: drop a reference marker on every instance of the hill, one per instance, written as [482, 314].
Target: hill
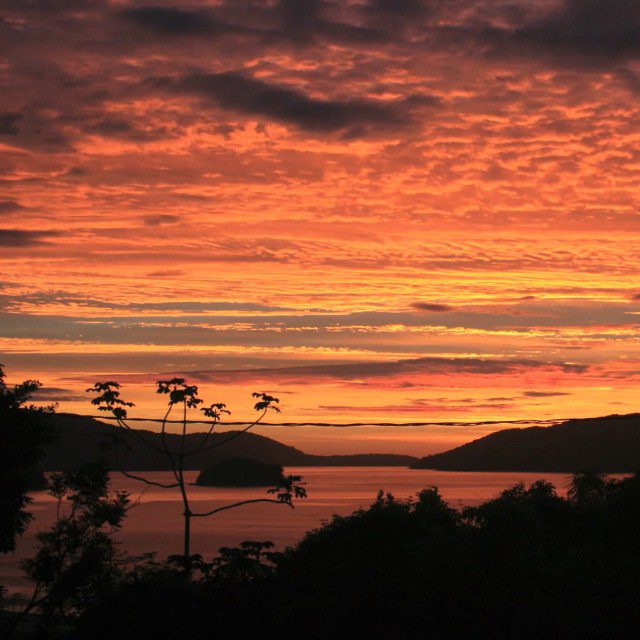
[610, 444]
[81, 439]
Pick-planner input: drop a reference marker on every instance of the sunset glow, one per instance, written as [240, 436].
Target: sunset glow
[377, 210]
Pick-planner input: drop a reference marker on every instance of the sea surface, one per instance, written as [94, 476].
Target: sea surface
[154, 523]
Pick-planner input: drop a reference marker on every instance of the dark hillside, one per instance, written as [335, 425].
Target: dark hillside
[610, 444]
[80, 440]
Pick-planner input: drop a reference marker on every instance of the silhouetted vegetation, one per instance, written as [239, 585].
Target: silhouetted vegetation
[184, 396]
[24, 431]
[240, 472]
[77, 558]
[528, 564]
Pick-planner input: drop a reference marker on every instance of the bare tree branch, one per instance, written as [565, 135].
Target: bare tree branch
[239, 504]
[167, 451]
[135, 434]
[203, 441]
[232, 437]
[149, 482]
[139, 478]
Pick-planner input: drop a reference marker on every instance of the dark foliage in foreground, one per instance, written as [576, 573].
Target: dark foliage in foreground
[528, 564]
[25, 430]
[77, 560]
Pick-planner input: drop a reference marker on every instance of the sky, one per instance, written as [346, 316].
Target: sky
[377, 210]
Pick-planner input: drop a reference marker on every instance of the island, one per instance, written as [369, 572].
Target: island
[240, 472]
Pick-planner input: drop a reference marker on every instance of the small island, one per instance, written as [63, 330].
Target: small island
[240, 472]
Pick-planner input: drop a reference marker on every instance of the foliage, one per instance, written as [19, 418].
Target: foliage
[163, 601]
[77, 557]
[528, 564]
[153, 601]
[24, 432]
[243, 565]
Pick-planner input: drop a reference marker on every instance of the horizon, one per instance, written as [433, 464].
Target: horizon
[282, 432]
[377, 211]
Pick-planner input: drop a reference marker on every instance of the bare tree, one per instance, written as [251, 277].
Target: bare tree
[182, 397]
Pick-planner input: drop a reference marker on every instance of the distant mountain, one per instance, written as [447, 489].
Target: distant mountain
[611, 444]
[362, 460]
[81, 439]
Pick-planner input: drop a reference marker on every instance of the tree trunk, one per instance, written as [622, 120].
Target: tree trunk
[187, 541]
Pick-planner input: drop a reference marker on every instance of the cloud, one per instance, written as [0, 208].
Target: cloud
[123, 129]
[61, 298]
[544, 394]
[10, 206]
[166, 273]
[199, 307]
[431, 306]
[427, 405]
[244, 94]
[9, 123]
[287, 137]
[411, 9]
[305, 21]
[598, 31]
[171, 20]
[160, 219]
[24, 238]
[50, 6]
[364, 370]
[56, 394]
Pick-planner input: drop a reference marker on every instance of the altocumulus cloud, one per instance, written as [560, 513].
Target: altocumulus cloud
[431, 306]
[302, 23]
[364, 370]
[244, 94]
[23, 237]
[160, 219]
[172, 20]
[544, 394]
[593, 30]
[10, 206]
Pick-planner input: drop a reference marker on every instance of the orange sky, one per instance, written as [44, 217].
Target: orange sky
[409, 210]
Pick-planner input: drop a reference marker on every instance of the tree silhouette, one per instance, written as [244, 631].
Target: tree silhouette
[183, 397]
[588, 487]
[527, 564]
[77, 558]
[24, 432]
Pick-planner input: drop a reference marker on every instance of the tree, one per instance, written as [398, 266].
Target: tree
[527, 564]
[589, 487]
[25, 430]
[77, 558]
[183, 396]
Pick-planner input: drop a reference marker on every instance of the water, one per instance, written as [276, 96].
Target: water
[154, 524]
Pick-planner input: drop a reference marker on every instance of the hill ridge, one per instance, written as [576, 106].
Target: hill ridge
[80, 439]
[609, 444]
